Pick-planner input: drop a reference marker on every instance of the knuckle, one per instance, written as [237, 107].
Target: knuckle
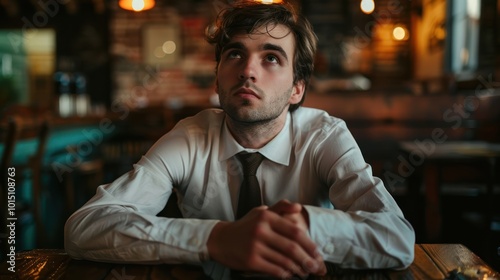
[295, 231]
[294, 250]
[309, 265]
[259, 230]
[296, 269]
[288, 264]
[264, 215]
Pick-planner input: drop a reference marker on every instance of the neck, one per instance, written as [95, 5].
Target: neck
[257, 134]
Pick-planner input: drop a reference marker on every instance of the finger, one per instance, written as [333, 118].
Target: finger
[254, 212]
[295, 233]
[284, 262]
[318, 268]
[302, 269]
[294, 250]
[296, 260]
[285, 237]
[285, 207]
[298, 220]
[271, 263]
[322, 268]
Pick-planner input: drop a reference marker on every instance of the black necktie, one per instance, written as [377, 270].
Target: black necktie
[250, 190]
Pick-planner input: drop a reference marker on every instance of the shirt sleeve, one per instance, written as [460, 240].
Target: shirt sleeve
[119, 224]
[365, 228]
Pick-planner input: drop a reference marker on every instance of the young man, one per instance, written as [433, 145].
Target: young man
[324, 205]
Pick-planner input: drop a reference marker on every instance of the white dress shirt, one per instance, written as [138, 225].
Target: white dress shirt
[314, 160]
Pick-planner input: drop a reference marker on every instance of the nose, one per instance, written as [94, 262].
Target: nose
[248, 70]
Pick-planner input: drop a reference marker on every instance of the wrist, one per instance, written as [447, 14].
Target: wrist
[213, 246]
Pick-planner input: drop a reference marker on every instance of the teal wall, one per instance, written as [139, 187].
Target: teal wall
[87, 141]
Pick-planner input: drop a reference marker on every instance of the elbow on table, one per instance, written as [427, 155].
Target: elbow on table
[406, 258]
[73, 239]
[406, 252]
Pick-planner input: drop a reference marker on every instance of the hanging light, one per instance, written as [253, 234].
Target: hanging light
[367, 6]
[269, 1]
[136, 5]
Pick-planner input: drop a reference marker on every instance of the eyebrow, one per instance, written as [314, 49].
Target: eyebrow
[233, 45]
[267, 46]
[277, 48]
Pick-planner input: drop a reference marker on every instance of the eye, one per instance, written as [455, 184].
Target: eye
[233, 54]
[272, 58]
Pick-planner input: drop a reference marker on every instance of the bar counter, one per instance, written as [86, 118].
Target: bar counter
[432, 261]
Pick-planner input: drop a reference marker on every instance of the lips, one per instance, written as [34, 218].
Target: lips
[246, 92]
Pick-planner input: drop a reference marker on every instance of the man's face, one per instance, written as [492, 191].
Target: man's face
[255, 75]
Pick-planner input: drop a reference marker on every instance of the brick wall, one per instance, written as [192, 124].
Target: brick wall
[187, 78]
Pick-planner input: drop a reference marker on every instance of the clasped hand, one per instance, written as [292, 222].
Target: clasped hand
[270, 240]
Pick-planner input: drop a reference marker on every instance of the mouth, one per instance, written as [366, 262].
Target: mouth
[246, 93]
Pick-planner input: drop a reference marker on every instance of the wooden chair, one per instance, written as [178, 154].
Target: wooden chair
[10, 132]
[19, 128]
[35, 163]
[89, 173]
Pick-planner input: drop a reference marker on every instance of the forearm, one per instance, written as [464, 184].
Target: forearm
[119, 234]
[362, 239]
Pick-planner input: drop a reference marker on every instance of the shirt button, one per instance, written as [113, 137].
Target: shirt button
[329, 248]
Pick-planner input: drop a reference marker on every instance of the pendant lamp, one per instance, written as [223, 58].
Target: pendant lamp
[270, 1]
[136, 5]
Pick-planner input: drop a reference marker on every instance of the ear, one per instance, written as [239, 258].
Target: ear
[297, 92]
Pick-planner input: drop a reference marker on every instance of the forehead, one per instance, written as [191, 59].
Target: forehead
[271, 33]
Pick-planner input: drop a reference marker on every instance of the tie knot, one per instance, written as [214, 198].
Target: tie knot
[250, 162]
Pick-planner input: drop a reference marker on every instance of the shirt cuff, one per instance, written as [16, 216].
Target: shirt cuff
[327, 234]
[189, 238]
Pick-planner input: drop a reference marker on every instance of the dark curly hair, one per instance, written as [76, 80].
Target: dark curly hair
[247, 16]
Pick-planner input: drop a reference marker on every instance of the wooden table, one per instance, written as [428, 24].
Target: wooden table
[425, 163]
[432, 261]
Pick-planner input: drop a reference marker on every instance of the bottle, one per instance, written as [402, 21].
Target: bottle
[82, 100]
[65, 105]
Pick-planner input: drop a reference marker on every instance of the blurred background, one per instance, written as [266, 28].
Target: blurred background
[87, 86]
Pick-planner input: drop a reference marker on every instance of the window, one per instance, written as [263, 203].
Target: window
[463, 47]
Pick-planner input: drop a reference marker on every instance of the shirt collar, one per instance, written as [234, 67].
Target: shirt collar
[277, 150]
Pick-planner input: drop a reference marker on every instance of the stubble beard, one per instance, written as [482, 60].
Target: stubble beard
[245, 115]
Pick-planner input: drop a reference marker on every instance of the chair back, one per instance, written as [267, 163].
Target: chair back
[9, 133]
[13, 130]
